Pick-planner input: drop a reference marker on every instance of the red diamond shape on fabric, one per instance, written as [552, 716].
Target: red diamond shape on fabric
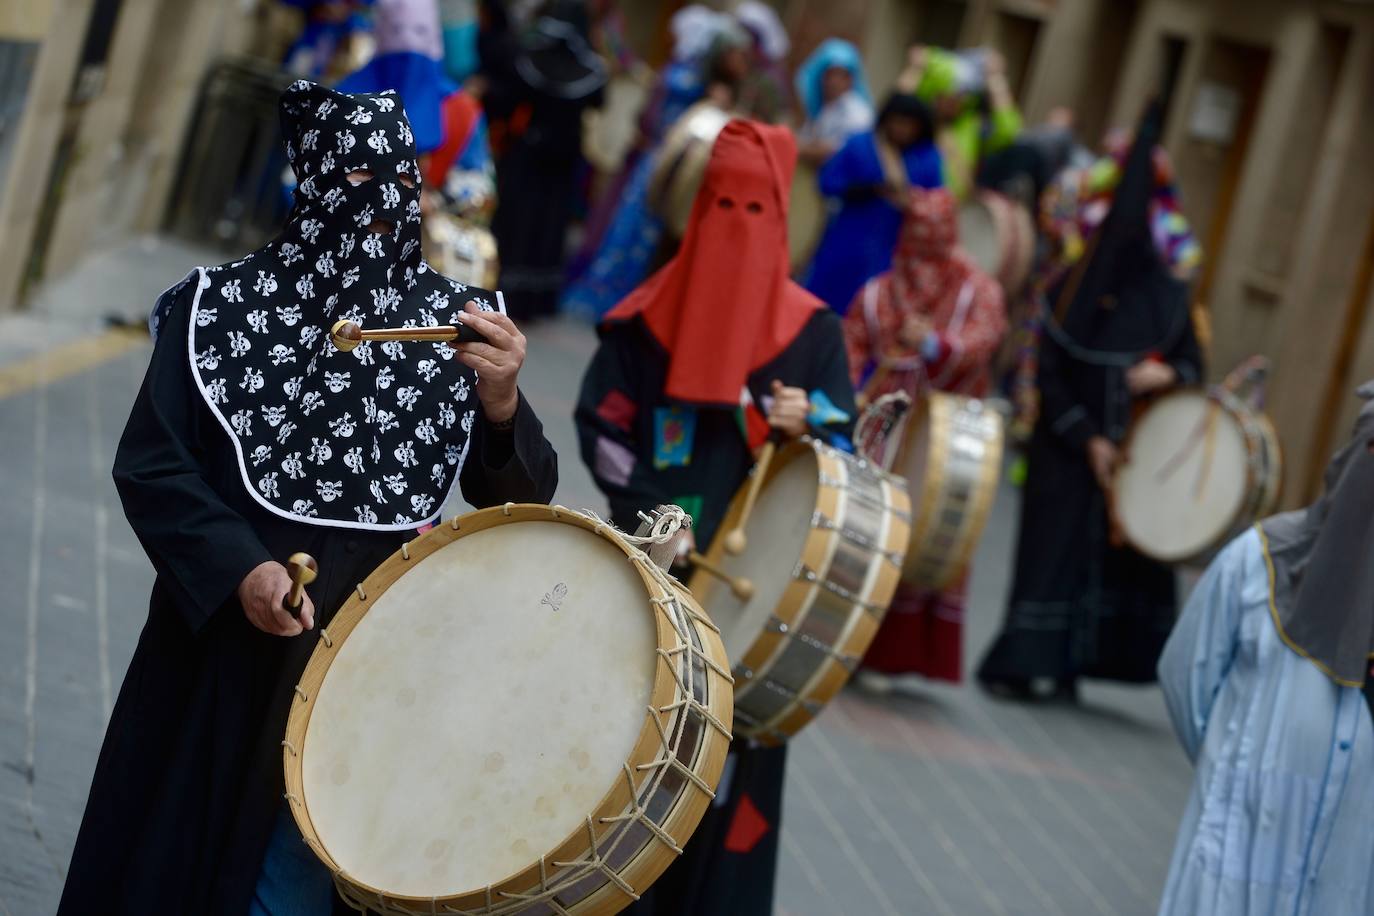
[617, 409]
[747, 827]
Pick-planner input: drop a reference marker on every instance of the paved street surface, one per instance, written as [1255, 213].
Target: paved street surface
[935, 800]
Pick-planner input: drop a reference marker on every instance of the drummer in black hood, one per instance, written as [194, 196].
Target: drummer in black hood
[254, 437]
[1118, 329]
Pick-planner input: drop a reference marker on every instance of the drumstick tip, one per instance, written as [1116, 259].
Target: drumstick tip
[345, 334]
[735, 542]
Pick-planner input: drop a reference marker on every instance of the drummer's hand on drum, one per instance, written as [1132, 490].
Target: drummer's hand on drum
[497, 362]
[1150, 375]
[1103, 458]
[789, 411]
[262, 593]
[914, 330]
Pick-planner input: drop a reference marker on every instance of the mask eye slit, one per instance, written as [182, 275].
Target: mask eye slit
[359, 176]
[754, 207]
[405, 179]
[725, 203]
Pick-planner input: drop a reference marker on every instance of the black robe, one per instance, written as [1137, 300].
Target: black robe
[189, 780]
[730, 863]
[537, 112]
[1081, 607]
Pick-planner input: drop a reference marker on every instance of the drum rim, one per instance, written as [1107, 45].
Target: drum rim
[817, 553]
[941, 405]
[1269, 502]
[1234, 521]
[688, 806]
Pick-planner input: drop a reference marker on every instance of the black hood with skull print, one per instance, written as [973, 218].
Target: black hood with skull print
[374, 438]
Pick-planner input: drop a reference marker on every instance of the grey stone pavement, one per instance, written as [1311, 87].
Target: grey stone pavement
[933, 800]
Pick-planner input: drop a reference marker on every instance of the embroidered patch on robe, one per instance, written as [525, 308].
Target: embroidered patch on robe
[614, 462]
[747, 827]
[823, 410]
[617, 409]
[674, 430]
[690, 503]
[753, 423]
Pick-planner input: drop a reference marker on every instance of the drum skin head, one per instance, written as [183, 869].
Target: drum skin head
[480, 709]
[1185, 485]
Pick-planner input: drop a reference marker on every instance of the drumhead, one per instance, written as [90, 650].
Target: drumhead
[485, 703]
[978, 236]
[777, 532]
[1185, 484]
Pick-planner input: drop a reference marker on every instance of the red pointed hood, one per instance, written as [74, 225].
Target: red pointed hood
[724, 305]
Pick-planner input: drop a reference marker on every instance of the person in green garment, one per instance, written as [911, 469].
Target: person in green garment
[976, 114]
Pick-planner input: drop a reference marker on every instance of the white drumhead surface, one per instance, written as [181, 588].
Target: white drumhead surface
[978, 235]
[776, 532]
[1185, 480]
[473, 718]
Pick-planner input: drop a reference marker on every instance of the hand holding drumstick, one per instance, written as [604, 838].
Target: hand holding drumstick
[274, 599]
[789, 411]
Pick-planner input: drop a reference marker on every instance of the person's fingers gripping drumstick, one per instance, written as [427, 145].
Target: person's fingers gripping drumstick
[303, 569]
[736, 540]
[346, 335]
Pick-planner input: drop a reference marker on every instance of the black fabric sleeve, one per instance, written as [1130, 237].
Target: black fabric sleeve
[200, 548]
[829, 367]
[612, 450]
[1060, 409]
[517, 465]
[1186, 355]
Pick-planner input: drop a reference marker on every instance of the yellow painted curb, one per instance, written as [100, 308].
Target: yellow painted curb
[67, 360]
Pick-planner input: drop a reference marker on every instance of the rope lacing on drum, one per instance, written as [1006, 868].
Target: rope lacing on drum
[670, 760]
[640, 813]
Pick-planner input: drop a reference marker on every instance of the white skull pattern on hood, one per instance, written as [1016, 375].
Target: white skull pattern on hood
[371, 439]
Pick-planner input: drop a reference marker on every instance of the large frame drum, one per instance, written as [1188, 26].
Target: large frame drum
[825, 543]
[680, 164]
[949, 451]
[1200, 467]
[516, 713]
[999, 234]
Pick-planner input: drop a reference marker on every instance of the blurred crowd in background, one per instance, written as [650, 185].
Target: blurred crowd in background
[561, 167]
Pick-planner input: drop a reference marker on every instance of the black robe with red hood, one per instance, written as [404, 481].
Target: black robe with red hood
[670, 408]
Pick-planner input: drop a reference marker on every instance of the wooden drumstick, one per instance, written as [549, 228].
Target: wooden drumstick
[743, 588]
[345, 334]
[735, 538]
[303, 570]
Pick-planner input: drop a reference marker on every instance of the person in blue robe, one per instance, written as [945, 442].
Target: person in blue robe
[866, 182]
[1267, 680]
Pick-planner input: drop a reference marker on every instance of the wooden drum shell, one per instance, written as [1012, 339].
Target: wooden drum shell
[833, 602]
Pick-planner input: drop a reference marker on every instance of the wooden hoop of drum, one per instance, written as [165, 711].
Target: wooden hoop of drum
[1201, 467]
[681, 161]
[949, 451]
[516, 713]
[999, 235]
[826, 538]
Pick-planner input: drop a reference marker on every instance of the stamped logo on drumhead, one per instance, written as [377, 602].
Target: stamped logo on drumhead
[554, 599]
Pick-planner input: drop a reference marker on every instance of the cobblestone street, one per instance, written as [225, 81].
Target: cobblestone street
[935, 800]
